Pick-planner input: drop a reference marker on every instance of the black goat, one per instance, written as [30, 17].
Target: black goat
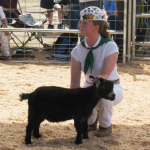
[57, 104]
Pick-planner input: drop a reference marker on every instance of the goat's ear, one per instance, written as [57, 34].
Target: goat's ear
[102, 80]
[97, 82]
[115, 81]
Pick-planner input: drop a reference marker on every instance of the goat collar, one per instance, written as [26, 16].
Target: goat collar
[89, 61]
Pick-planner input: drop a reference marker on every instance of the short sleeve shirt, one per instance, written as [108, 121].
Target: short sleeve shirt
[47, 4]
[79, 53]
[110, 6]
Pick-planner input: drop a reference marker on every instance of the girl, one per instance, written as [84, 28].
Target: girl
[96, 55]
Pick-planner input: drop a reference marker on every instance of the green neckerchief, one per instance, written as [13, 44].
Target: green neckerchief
[89, 58]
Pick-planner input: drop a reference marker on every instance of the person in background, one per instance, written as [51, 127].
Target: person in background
[96, 55]
[114, 24]
[110, 7]
[49, 4]
[86, 3]
[73, 16]
[4, 36]
[71, 12]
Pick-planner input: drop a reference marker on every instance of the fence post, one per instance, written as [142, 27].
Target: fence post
[124, 29]
[133, 29]
[129, 31]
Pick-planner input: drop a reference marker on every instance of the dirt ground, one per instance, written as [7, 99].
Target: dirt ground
[130, 122]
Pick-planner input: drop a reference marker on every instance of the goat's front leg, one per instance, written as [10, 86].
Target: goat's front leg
[85, 129]
[36, 133]
[78, 126]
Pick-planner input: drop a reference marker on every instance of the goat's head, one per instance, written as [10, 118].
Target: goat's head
[104, 88]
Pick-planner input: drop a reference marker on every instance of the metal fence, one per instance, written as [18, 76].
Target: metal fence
[141, 30]
[30, 44]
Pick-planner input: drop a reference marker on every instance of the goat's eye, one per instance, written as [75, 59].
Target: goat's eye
[103, 86]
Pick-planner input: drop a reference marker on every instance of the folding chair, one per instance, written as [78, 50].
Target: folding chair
[17, 19]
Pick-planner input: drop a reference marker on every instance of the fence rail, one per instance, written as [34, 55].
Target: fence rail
[53, 30]
[124, 52]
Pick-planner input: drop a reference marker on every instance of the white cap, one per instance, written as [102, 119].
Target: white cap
[93, 13]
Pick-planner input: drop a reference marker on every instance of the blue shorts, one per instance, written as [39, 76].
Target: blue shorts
[47, 4]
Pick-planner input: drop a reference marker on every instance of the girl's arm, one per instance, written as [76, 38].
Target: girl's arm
[108, 66]
[75, 73]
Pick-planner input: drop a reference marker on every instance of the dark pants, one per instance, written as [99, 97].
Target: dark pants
[114, 24]
[141, 32]
[73, 17]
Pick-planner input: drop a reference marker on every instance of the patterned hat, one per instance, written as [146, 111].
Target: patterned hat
[93, 13]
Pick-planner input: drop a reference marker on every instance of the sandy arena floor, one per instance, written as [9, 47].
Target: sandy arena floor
[130, 122]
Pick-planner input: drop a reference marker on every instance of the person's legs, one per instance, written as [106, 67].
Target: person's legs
[5, 46]
[50, 18]
[93, 120]
[93, 116]
[138, 11]
[48, 4]
[105, 112]
[60, 25]
[74, 16]
[60, 16]
[106, 107]
[114, 24]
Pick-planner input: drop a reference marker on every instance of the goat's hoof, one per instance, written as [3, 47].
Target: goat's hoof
[78, 142]
[37, 135]
[85, 137]
[28, 142]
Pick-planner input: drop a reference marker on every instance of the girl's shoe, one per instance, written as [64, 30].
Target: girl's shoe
[102, 132]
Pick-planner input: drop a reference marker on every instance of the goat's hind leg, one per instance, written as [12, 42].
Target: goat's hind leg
[85, 129]
[36, 133]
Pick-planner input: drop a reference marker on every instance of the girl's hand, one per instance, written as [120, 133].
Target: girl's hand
[103, 76]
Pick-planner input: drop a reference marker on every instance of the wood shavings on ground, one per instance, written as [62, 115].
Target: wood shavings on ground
[130, 122]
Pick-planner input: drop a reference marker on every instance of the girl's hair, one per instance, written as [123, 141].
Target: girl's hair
[103, 27]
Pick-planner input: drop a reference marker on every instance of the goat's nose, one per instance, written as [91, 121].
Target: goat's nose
[112, 96]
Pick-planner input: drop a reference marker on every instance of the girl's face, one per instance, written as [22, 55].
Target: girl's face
[87, 28]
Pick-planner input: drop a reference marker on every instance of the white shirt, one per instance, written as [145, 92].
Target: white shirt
[79, 53]
[2, 15]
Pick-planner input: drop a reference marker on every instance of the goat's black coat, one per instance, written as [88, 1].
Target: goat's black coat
[60, 104]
